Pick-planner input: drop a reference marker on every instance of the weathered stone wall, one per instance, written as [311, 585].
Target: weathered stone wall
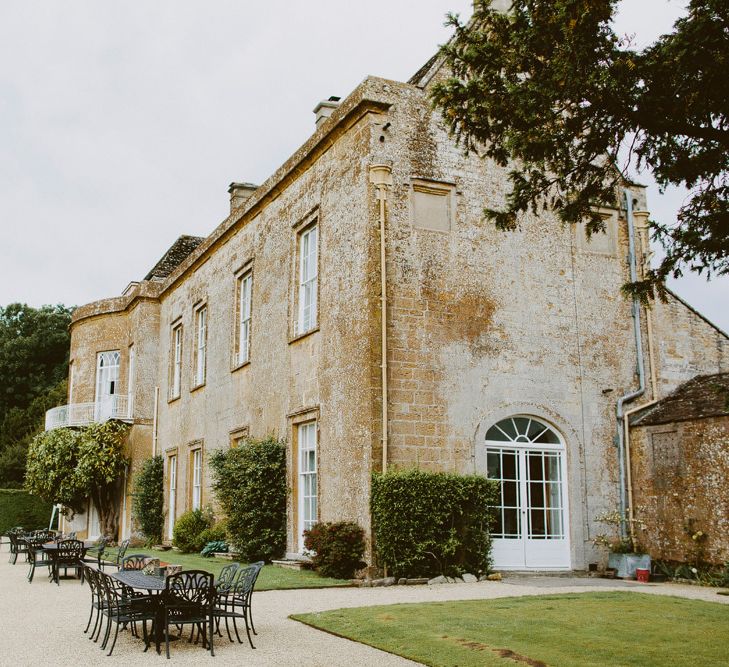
[118, 324]
[321, 373]
[680, 473]
[686, 345]
[486, 324]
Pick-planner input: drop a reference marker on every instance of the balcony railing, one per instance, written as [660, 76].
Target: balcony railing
[118, 406]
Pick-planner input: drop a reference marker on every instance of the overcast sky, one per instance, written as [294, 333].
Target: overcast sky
[122, 124]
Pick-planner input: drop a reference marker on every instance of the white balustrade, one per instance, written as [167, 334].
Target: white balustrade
[117, 406]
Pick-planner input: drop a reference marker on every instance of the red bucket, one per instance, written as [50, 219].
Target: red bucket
[642, 574]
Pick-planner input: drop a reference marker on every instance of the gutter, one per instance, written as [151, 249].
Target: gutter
[623, 456]
[381, 178]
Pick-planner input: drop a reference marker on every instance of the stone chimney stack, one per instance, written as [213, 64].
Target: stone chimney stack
[240, 193]
[325, 108]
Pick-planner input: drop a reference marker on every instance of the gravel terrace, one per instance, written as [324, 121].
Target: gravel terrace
[43, 623]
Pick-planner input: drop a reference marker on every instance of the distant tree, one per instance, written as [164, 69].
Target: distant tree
[34, 345]
[549, 90]
[18, 428]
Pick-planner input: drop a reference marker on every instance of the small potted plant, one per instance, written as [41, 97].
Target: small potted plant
[625, 554]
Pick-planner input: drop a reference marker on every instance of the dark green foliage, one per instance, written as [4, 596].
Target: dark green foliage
[429, 523]
[551, 91]
[215, 547]
[148, 499]
[33, 365]
[338, 548]
[34, 345]
[18, 508]
[188, 534]
[250, 485]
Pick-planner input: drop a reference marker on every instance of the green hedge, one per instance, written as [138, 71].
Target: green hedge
[432, 523]
[148, 499]
[19, 508]
[250, 485]
[190, 532]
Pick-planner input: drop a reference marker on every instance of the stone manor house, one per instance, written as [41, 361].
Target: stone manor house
[357, 305]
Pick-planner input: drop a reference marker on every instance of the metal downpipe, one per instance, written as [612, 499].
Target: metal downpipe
[620, 412]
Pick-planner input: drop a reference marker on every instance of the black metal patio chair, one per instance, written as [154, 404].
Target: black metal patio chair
[94, 554]
[236, 602]
[122, 609]
[18, 546]
[68, 556]
[38, 556]
[189, 600]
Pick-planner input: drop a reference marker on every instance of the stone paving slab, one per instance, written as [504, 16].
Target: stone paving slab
[42, 624]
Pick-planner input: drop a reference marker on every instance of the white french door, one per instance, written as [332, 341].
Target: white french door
[107, 384]
[531, 531]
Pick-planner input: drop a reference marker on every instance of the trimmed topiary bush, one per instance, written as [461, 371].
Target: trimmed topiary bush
[188, 534]
[19, 508]
[429, 523]
[250, 485]
[148, 499]
[338, 548]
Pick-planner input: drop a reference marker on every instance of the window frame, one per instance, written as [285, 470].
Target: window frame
[172, 486]
[200, 356]
[195, 481]
[306, 280]
[243, 324]
[176, 358]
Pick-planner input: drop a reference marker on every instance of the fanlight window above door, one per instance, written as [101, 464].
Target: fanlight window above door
[523, 430]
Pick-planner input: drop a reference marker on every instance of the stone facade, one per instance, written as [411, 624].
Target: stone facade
[481, 325]
[680, 465]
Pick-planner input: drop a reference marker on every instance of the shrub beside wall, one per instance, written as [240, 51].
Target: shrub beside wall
[428, 523]
[19, 508]
[148, 499]
[190, 532]
[338, 548]
[250, 485]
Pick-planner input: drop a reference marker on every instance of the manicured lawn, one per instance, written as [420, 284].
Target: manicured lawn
[271, 578]
[572, 629]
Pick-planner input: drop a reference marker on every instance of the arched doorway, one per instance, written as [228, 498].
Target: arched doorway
[527, 457]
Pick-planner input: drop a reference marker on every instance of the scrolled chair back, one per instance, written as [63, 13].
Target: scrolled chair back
[70, 550]
[226, 578]
[191, 587]
[134, 562]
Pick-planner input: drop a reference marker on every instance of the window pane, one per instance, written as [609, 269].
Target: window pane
[493, 465]
[510, 494]
[510, 464]
[511, 523]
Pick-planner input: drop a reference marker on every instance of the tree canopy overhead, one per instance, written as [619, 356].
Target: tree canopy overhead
[549, 90]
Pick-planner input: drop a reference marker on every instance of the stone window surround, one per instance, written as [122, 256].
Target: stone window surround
[238, 433]
[296, 419]
[239, 275]
[169, 454]
[198, 308]
[311, 219]
[445, 189]
[192, 447]
[174, 382]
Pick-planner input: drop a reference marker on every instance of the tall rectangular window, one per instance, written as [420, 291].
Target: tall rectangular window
[196, 497]
[308, 280]
[176, 371]
[245, 290]
[307, 482]
[172, 497]
[201, 338]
